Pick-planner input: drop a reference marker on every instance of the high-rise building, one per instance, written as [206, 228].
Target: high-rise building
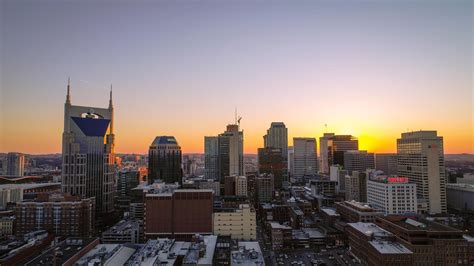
[421, 159]
[358, 161]
[333, 147]
[392, 195]
[338, 174]
[211, 158]
[277, 137]
[241, 186]
[264, 187]
[88, 153]
[305, 157]
[386, 162]
[325, 152]
[164, 160]
[356, 186]
[231, 152]
[15, 164]
[291, 161]
[271, 161]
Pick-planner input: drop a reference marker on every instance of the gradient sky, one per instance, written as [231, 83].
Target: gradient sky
[373, 69]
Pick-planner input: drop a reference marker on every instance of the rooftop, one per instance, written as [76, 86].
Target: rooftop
[389, 247]
[249, 254]
[330, 211]
[276, 225]
[369, 229]
[164, 140]
[28, 185]
[419, 225]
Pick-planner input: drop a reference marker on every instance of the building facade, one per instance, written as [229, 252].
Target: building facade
[60, 214]
[264, 187]
[164, 160]
[421, 158]
[392, 195]
[386, 162]
[238, 223]
[15, 164]
[211, 158]
[88, 154]
[179, 214]
[358, 161]
[305, 157]
[271, 161]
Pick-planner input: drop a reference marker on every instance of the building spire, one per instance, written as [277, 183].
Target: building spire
[110, 99]
[68, 96]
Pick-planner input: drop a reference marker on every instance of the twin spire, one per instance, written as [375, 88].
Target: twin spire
[68, 95]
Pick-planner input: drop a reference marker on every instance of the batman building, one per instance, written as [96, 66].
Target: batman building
[88, 153]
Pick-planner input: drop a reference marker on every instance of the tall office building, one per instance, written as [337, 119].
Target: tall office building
[333, 147]
[305, 157]
[277, 138]
[291, 161]
[358, 161]
[356, 186]
[386, 162]
[421, 159]
[164, 160]
[211, 158]
[231, 152]
[325, 152]
[15, 164]
[88, 153]
[271, 161]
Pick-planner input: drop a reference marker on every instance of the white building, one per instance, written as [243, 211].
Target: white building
[392, 195]
[338, 174]
[241, 186]
[305, 157]
[421, 159]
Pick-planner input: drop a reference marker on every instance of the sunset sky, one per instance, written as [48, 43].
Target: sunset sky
[373, 69]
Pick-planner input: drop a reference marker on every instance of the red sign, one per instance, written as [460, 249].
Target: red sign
[397, 179]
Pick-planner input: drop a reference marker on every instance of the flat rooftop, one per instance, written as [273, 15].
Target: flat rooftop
[276, 225]
[389, 247]
[330, 211]
[369, 229]
[419, 225]
[28, 185]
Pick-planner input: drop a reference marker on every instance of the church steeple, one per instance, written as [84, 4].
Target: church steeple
[68, 96]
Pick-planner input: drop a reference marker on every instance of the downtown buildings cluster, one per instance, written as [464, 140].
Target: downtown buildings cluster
[345, 206]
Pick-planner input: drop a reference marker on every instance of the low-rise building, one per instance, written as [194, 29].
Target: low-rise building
[238, 223]
[6, 225]
[125, 231]
[248, 253]
[353, 211]
[432, 243]
[460, 196]
[373, 245]
[61, 214]
[280, 235]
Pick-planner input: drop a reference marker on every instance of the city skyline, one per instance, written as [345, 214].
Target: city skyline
[352, 66]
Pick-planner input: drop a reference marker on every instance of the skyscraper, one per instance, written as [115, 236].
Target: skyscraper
[386, 162]
[211, 158]
[421, 159]
[305, 157]
[277, 138]
[333, 147]
[358, 161]
[88, 153]
[15, 164]
[231, 152]
[164, 160]
[325, 152]
[271, 161]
